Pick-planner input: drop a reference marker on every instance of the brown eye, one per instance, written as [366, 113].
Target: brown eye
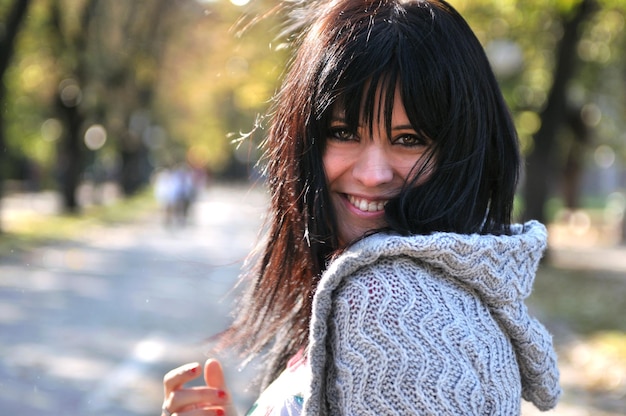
[410, 140]
[341, 134]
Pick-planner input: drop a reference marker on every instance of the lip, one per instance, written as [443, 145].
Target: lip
[365, 206]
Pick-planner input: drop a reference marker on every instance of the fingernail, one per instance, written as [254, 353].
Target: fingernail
[219, 412]
[190, 368]
[221, 394]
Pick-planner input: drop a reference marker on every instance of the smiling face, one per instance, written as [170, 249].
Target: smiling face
[368, 165]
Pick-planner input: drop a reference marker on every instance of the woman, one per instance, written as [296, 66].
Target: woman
[391, 275]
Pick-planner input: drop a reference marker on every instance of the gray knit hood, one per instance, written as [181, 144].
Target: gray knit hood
[498, 270]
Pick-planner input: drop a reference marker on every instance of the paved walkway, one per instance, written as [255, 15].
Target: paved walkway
[90, 326]
[611, 259]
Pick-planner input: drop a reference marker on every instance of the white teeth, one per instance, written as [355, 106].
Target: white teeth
[365, 205]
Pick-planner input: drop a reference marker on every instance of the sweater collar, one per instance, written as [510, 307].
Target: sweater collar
[501, 268]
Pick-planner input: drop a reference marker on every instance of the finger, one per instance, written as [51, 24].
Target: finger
[195, 398]
[206, 411]
[214, 375]
[174, 379]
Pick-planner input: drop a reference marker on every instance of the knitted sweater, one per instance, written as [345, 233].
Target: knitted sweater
[431, 325]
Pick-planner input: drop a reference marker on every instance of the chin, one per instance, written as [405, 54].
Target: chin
[350, 236]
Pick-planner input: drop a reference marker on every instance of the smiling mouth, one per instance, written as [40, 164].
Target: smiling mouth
[366, 205]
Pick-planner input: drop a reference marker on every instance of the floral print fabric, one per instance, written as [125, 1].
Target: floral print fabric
[284, 397]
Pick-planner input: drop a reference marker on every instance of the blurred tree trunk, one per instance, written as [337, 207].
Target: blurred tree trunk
[72, 50]
[149, 43]
[541, 164]
[130, 78]
[16, 16]
[70, 150]
[573, 169]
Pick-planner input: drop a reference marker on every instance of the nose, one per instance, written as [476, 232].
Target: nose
[373, 167]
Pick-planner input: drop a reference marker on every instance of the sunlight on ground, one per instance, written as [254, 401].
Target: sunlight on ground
[593, 377]
[602, 358]
[589, 228]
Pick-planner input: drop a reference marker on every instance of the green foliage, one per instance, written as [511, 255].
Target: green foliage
[29, 90]
[218, 80]
[535, 28]
[581, 298]
[210, 82]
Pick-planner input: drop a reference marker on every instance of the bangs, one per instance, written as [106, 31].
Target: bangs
[369, 102]
[361, 82]
[358, 58]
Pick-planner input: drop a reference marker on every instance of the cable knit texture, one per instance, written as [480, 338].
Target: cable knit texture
[431, 325]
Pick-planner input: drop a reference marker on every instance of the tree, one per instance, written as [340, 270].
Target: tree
[71, 45]
[217, 78]
[108, 71]
[172, 80]
[558, 63]
[127, 48]
[14, 19]
[540, 166]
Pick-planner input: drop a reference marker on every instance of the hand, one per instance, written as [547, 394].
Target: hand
[214, 399]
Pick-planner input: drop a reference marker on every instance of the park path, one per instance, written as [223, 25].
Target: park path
[90, 326]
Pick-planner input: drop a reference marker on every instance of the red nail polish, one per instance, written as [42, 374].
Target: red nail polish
[193, 370]
[219, 412]
[221, 394]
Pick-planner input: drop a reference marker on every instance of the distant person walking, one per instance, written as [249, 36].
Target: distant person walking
[176, 189]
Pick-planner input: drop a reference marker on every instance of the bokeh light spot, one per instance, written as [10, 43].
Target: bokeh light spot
[51, 130]
[95, 137]
[604, 156]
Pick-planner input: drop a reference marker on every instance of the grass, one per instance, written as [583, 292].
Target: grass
[587, 301]
[31, 229]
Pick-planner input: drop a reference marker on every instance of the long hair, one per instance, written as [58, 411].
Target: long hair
[354, 53]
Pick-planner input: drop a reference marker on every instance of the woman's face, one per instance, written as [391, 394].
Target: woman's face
[367, 167]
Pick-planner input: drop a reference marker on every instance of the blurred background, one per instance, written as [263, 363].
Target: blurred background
[129, 192]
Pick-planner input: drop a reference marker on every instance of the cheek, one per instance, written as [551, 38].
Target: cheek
[413, 166]
[328, 167]
[406, 169]
[334, 165]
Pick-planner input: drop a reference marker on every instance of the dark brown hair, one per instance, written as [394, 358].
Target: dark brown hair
[349, 52]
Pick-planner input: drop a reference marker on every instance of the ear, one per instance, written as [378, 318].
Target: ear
[213, 374]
